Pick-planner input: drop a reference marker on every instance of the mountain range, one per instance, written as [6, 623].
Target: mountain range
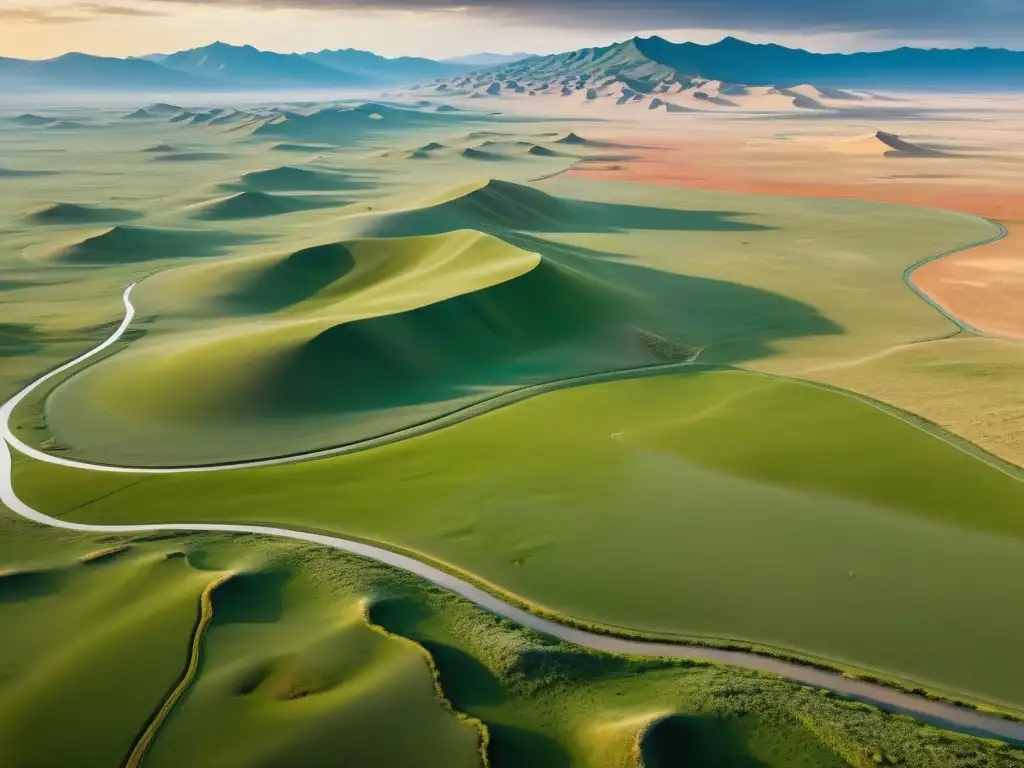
[654, 59]
[642, 62]
[487, 59]
[222, 67]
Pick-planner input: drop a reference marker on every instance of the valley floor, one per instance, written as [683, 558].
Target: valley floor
[657, 374]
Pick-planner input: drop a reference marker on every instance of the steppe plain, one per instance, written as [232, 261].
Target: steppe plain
[691, 374]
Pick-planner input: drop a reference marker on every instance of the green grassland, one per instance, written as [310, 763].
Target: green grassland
[774, 284]
[713, 504]
[213, 378]
[308, 659]
[71, 643]
[310, 281]
[289, 671]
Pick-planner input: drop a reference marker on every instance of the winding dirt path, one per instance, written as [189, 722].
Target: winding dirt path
[138, 753]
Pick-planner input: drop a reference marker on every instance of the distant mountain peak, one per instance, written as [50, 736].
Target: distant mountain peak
[646, 63]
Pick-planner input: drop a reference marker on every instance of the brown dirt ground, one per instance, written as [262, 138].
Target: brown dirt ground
[983, 286]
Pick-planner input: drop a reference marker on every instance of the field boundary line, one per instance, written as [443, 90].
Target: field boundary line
[908, 279]
[146, 738]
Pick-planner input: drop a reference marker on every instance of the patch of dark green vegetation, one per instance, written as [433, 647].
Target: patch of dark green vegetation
[544, 704]
[128, 245]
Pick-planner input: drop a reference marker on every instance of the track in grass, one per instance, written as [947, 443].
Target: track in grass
[138, 753]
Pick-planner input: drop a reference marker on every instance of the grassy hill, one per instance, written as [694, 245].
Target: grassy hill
[345, 334]
[72, 214]
[123, 244]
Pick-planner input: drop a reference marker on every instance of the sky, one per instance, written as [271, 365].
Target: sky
[442, 28]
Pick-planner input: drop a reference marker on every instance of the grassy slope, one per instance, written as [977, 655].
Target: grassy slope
[843, 259]
[614, 502]
[72, 647]
[112, 637]
[828, 254]
[166, 386]
[362, 327]
[970, 384]
[551, 705]
[291, 672]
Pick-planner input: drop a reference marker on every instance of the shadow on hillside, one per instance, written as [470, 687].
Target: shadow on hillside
[304, 179]
[123, 244]
[251, 598]
[466, 679]
[738, 322]
[17, 339]
[696, 740]
[617, 217]
[14, 173]
[18, 586]
[578, 313]
[469, 684]
[503, 209]
[866, 112]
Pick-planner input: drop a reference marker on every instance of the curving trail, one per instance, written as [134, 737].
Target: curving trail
[457, 416]
[908, 278]
[938, 713]
[138, 753]
[428, 425]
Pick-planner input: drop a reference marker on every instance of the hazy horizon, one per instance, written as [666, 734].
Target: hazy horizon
[42, 29]
[705, 40]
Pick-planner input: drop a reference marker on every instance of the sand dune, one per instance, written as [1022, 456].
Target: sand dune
[803, 96]
[672, 94]
[834, 93]
[710, 98]
[884, 144]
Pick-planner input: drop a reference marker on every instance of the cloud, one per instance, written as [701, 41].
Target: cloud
[918, 18]
[72, 13]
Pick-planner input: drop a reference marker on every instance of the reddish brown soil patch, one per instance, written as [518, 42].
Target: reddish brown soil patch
[983, 286]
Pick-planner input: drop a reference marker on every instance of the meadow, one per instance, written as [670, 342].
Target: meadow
[709, 504]
[311, 654]
[691, 414]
